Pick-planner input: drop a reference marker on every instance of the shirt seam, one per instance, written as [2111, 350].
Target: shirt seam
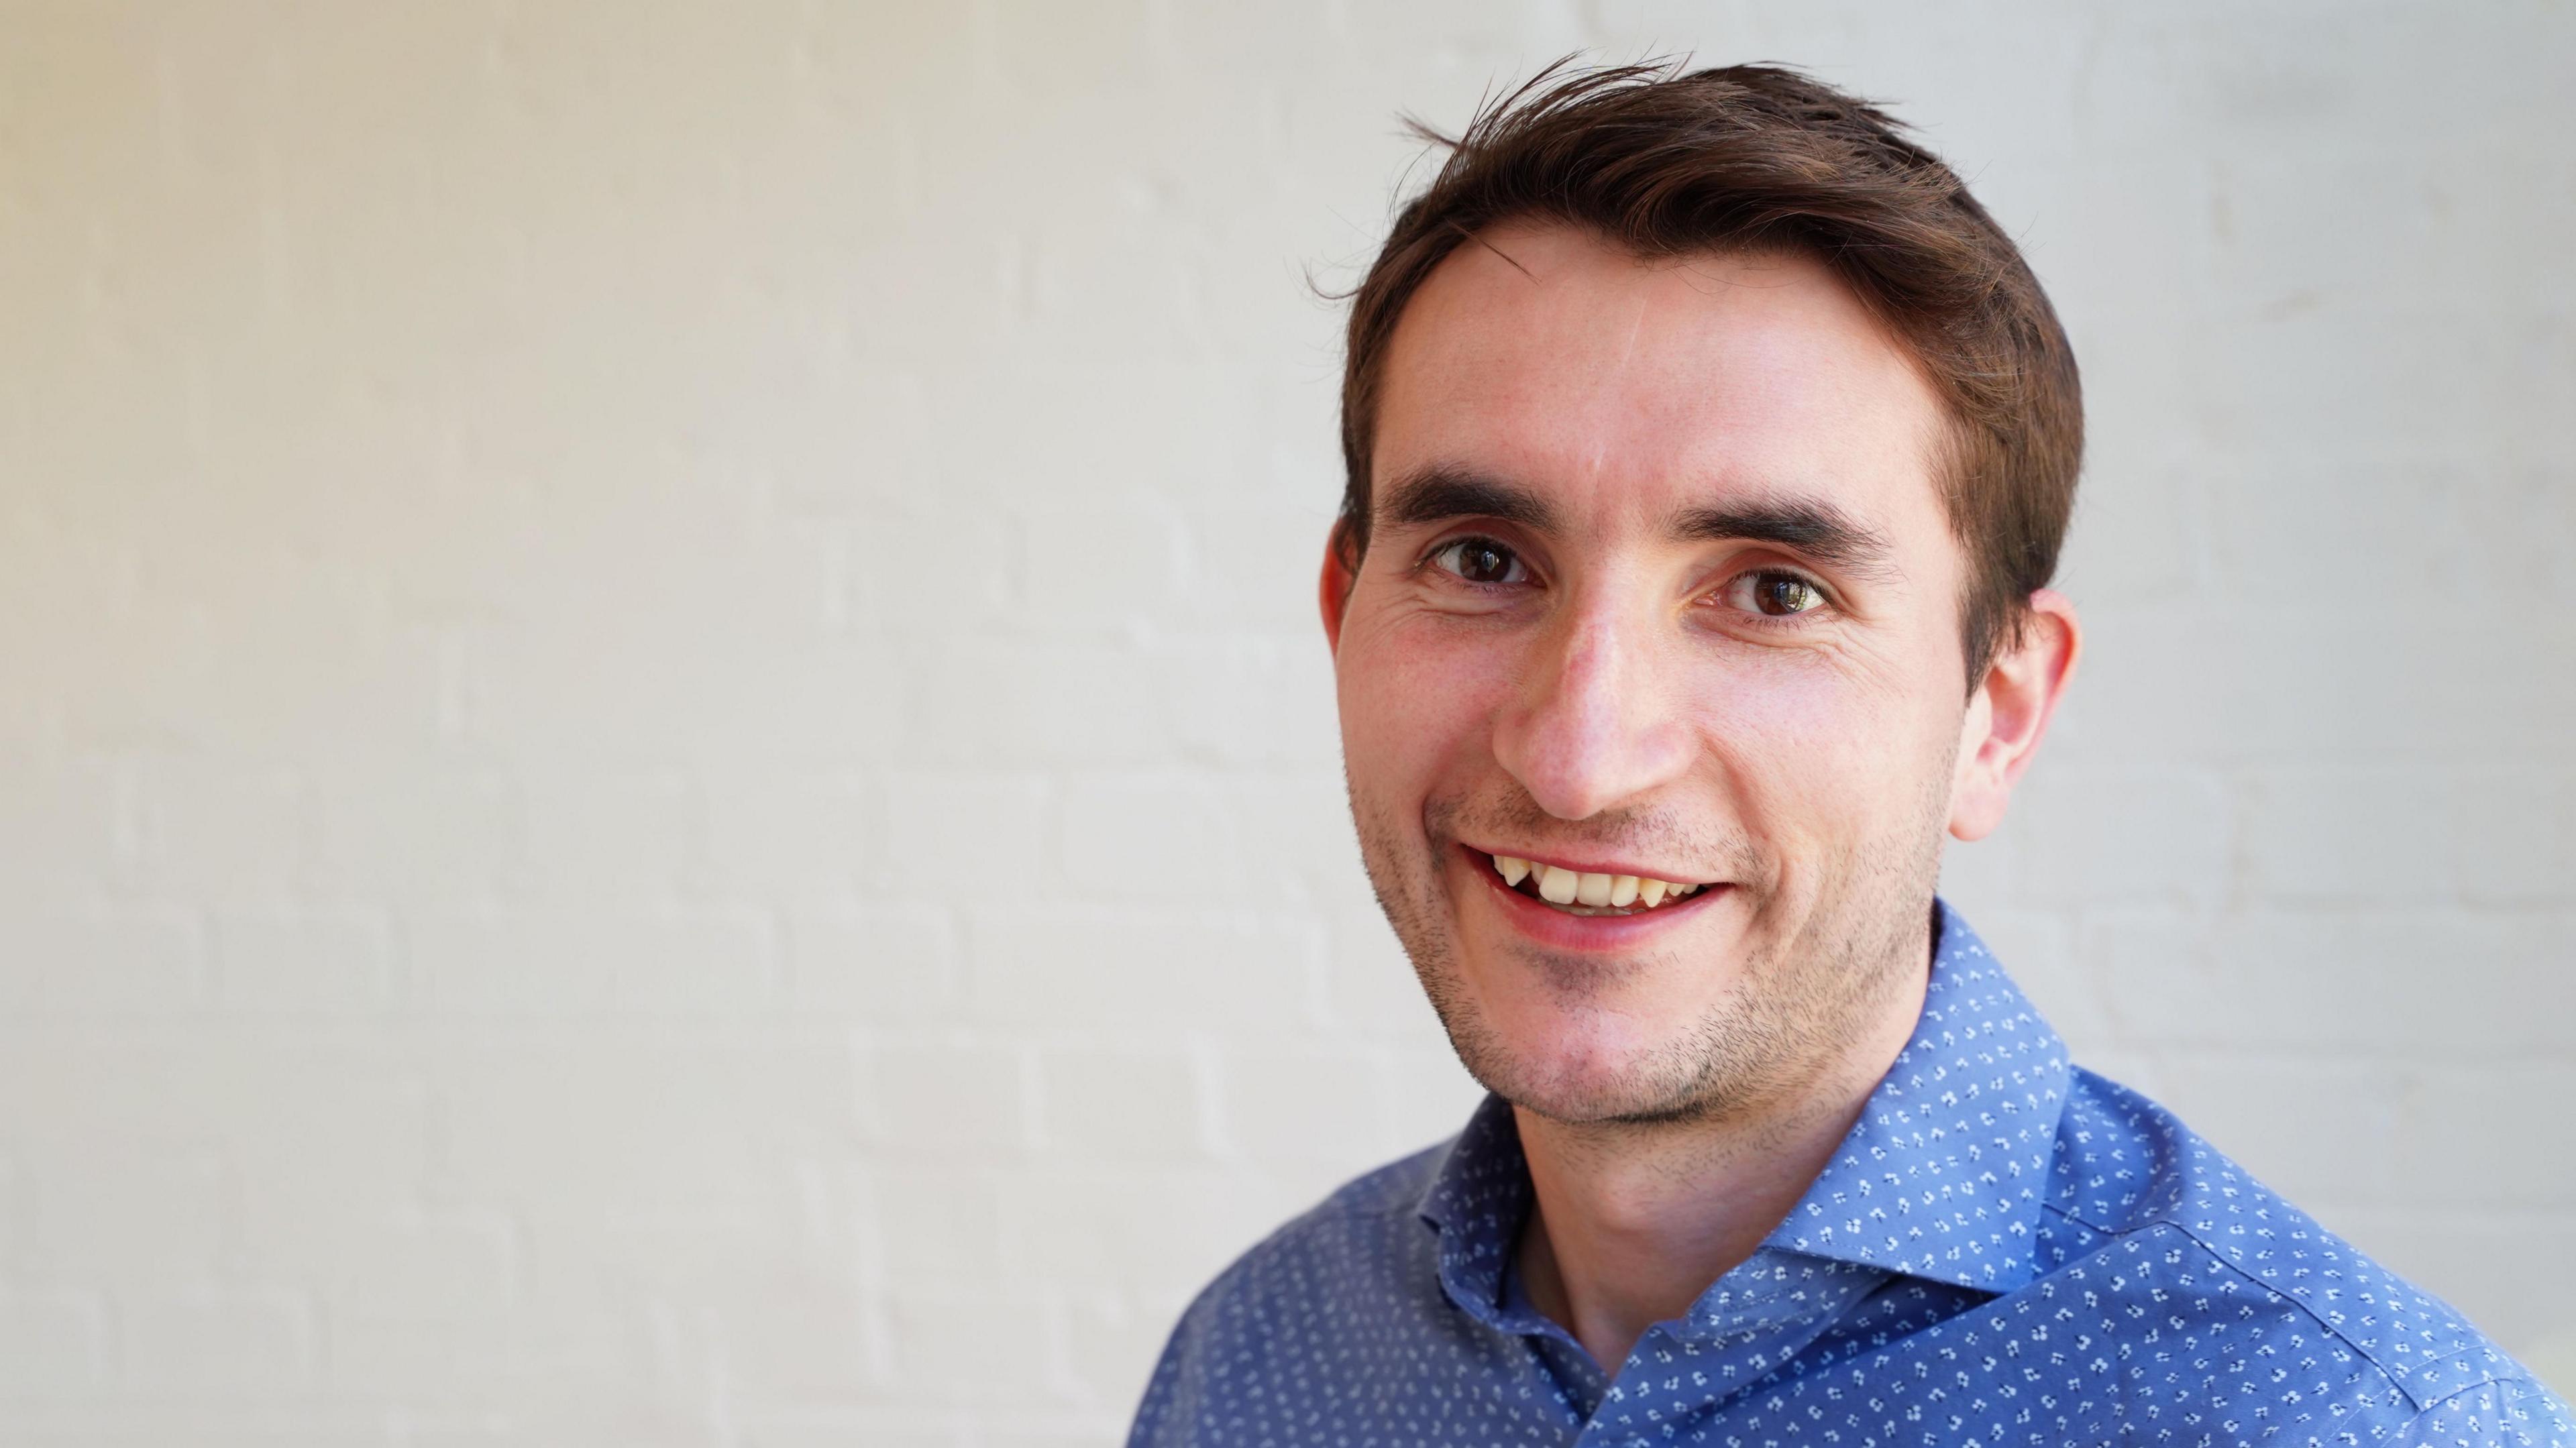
[2533, 1387]
[2399, 1378]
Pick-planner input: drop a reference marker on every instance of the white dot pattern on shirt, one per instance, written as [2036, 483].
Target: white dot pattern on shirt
[2006, 1251]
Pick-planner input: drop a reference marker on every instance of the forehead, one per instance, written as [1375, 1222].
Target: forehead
[1621, 386]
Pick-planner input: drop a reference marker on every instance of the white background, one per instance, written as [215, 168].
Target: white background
[666, 777]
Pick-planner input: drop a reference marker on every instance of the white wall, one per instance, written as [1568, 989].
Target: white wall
[665, 776]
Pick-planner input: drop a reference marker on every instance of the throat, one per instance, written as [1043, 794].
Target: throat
[1629, 1224]
[1592, 1307]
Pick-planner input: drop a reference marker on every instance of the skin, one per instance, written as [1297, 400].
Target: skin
[1660, 582]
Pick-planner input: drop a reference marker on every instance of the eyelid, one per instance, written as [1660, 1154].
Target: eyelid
[1764, 558]
[1476, 532]
[1790, 570]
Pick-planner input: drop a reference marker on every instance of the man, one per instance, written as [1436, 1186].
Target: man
[1709, 451]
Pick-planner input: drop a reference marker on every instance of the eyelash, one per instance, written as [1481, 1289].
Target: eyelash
[1759, 619]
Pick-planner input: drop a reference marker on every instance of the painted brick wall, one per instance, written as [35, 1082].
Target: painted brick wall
[665, 776]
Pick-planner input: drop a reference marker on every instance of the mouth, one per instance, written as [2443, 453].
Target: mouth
[1570, 890]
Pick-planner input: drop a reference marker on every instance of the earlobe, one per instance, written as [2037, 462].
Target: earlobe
[2010, 713]
[1333, 590]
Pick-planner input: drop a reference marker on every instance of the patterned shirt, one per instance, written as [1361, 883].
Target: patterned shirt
[2005, 1250]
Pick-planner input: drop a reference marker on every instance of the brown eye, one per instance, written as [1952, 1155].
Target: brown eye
[1782, 594]
[1779, 595]
[1481, 560]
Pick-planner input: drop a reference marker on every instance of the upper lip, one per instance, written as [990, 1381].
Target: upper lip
[1592, 868]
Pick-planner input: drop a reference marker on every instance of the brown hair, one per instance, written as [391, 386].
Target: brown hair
[1762, 158]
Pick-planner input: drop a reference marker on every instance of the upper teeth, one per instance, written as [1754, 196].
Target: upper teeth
[1567, 887]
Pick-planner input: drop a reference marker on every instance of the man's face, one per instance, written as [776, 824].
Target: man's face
[1659, 585]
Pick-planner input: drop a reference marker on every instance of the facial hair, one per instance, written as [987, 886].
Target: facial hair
[1805, 998]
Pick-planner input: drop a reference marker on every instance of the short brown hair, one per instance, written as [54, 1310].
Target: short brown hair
[1761, 158]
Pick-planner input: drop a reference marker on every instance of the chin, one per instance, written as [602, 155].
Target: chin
[1575, 1065]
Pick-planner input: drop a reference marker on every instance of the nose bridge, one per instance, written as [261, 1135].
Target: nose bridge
[1591, 667]
[1592, 727]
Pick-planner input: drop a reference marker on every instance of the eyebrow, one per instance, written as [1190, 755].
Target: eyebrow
[1817, 530]
[1440, 492]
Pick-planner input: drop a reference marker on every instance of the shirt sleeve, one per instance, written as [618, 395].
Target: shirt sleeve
[2514, 1411]
[1166, 1418]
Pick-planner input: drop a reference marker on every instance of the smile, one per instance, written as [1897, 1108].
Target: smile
[1579, 892]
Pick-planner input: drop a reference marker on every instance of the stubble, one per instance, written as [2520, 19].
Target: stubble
[1806, 995]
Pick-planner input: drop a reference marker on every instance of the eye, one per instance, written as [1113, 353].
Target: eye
[1775, 594]
[1480, 560]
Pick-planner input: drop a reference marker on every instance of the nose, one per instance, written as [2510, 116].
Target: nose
[1592, 724]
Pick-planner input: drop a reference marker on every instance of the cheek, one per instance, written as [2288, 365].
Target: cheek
[1417, 697]
[1818, 756]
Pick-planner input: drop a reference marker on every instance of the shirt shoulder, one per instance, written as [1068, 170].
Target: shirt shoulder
[1361, 1231]
[2514, 1413]
[1356, 1265]
[1366, 1222]
[2203, 1245]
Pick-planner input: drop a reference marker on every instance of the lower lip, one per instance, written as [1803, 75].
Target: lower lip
[1552, 927]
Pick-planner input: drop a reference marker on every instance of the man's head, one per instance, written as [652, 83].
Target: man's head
[1703, 434]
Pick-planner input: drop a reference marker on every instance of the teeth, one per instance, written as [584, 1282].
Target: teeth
[1560, 886]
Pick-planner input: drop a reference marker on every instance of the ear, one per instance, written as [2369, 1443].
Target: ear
[1333, 590]
[2010, 712]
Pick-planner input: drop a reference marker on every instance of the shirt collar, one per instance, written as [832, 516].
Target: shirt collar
[1941, 1177]
[1477, 1202]
[1943, 1174]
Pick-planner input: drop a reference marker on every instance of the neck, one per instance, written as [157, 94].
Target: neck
[1632, 1222]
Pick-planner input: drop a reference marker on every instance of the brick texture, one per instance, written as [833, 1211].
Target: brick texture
[666, 778]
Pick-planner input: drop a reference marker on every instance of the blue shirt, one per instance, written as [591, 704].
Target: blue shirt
[2005, 1250]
